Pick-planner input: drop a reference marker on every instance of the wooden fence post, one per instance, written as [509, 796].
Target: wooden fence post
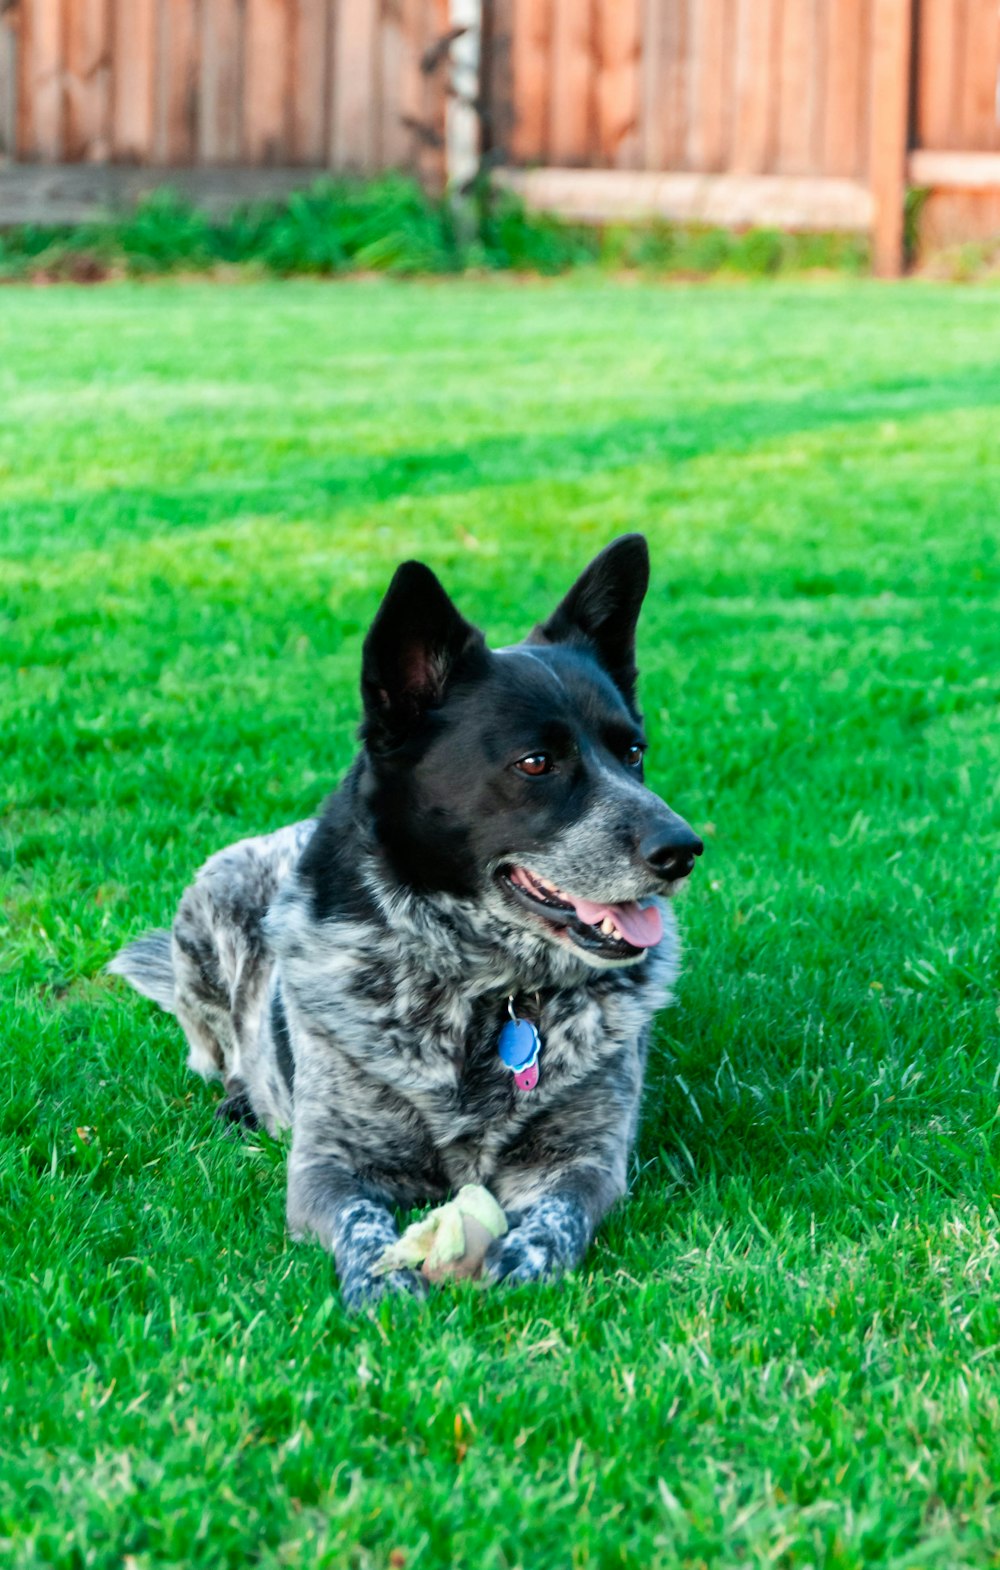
[465, 68]
[892, 24]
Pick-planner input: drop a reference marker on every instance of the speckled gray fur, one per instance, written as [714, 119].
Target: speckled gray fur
[399, 1095]
[348, 977]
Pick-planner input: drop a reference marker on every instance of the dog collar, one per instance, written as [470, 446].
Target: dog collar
[519, 1047]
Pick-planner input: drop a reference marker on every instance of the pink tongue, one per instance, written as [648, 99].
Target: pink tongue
[640, 926]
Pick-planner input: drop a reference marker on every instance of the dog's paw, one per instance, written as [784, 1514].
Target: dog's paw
[361, 1291]
[551, 1238]
[236, 1111]
[523, 1255]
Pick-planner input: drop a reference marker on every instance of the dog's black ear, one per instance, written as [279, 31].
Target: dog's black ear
[414, 647]
[602, 608]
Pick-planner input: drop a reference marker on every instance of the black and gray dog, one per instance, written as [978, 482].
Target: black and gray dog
[492, 855]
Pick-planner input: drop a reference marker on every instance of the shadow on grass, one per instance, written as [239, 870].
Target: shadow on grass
[496, 461]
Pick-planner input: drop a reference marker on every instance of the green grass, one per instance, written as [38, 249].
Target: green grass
[784, 1351]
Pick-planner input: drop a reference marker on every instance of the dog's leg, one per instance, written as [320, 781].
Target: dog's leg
[332, 1205]
[556, 1196]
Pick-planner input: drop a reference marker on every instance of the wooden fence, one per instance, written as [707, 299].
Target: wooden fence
[262, 83]
[791, 111]
[806, 113]
[803, 113]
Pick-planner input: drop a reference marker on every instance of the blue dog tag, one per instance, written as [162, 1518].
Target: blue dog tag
[519, 1044]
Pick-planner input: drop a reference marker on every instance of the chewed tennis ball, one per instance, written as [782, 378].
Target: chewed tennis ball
[450, 1241]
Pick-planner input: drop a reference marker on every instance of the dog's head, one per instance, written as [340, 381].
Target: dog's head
[515, 776]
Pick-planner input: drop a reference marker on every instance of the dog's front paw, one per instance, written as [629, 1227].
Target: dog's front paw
[551, 1238]
[361, 1290]
[523, 1255]
[364, 1231]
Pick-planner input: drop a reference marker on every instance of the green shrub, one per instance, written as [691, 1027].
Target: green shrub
[386, 226]
[162, 233]
[508, 236]
[391, 225]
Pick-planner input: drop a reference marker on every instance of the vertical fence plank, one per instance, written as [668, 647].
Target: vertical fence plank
[531, 51]
[133, 57]
[993, 128]
[617, 84]
[666, 31]
[8, 84]
[412, 125]
[392, 137]
[496, 81]
[978, 96]
[709, 88]
[818, 33]
[651, 28]
[352, 135]
[265, 81]
[309, 81]
[795, 105]
[435, 66]
[175, 119]
[571, 102]
[891, 24]
[24, 126]
[40, 82]
[220, 83]
[937, 73]
[752, 149]
[841, 142]
[87, 81]
[428, 23]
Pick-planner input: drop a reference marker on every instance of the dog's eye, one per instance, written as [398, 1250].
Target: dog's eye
[633, 755]
[536, 763]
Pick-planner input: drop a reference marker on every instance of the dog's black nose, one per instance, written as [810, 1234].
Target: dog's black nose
[670, 850]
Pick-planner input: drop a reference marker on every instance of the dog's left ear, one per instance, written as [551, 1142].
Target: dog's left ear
[414, 648]
[602, 609]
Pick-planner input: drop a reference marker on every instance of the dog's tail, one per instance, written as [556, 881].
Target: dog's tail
[146, 963]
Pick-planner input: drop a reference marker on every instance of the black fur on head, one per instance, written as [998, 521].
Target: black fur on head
[448, 724]
[417, 643]
[602, 608]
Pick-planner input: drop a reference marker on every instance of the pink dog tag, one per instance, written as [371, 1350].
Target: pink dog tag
[519, 1046]
[526, 1078]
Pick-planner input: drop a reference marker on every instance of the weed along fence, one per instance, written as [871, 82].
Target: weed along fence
[803, 114]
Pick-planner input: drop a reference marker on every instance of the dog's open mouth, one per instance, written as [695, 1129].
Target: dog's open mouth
[608, 931]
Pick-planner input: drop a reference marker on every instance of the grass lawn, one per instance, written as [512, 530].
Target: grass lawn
[785, 1349]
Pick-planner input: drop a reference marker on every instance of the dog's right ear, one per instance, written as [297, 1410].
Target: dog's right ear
[602, 608]
[414, 648]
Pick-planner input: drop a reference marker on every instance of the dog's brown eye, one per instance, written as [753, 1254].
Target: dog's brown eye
[633, 755]
[537, 763]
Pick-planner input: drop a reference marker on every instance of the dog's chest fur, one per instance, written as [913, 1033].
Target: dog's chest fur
[396, 1018]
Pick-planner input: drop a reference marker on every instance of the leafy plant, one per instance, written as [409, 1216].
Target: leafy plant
[391, 225]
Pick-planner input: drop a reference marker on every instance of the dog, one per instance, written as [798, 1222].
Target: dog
[450, 976]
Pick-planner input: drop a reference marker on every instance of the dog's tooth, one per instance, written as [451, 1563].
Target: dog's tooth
[607, 925]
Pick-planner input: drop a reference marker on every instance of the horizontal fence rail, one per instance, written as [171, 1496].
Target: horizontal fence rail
[797, 113]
